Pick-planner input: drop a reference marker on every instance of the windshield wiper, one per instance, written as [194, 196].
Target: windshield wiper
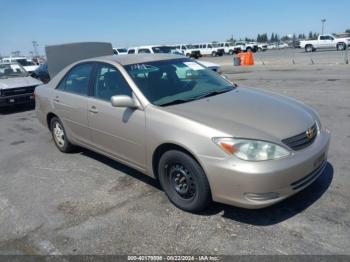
[177, 101]
[213, 93]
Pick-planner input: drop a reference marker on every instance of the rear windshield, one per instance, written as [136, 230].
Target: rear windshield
[162, 49]
[11, 70]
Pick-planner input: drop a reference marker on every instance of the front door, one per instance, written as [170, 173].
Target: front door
[119, 132]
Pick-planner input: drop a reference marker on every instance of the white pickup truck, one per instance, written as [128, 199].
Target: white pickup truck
[325, 42]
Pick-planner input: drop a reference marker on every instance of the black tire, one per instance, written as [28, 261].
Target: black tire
[214, 53]
[184, 181]
[63, 143]
[248, 49]
[260, 49]
[231, 52]
[309, 48]
[341, 46]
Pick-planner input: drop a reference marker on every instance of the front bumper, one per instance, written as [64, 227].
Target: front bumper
[16, 99]
[260, 184]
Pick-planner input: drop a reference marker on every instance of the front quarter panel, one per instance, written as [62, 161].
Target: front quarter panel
[163, 127]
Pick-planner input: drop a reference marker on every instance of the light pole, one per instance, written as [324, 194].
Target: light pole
[323, 22]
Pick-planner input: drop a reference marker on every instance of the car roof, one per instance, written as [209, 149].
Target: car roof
[135, 58]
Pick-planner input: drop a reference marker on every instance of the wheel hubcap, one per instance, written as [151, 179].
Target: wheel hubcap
[182, 181]
[58, 134]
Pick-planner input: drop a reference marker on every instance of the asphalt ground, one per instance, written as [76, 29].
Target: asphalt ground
[85, 203]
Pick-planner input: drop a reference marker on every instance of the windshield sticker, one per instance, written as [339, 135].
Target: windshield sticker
[194, 66]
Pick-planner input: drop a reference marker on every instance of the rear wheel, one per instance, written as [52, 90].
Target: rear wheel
[214, 53]
[184, 181]
[230, 52]
[249, 49]
[59, 136]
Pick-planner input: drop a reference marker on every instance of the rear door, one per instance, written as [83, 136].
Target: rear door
[71, 101]
[116, 131]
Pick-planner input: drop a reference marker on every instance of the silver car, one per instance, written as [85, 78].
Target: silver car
[16, 86]
[171, 118]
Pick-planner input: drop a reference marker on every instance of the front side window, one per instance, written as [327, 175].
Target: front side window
[131, 51]
[110, 82]
[77, 80]
[176, 81]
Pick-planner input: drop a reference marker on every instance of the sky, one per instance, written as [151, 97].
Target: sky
[127, 23]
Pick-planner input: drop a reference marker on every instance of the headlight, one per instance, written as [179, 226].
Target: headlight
[251, 150]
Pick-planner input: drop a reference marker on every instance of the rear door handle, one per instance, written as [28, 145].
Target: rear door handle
[56, 99]
[93, 109]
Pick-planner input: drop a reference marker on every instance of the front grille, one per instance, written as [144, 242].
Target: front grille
[310, 177]
[302, 140]
[18, 91]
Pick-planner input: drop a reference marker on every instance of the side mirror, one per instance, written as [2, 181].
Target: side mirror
[124, 101]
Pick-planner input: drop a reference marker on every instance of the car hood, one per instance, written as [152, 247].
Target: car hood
[249, 113]
[14, 82]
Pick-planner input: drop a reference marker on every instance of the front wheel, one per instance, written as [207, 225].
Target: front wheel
[59, 136]
[214, 53]
[184, 181]
[341, 47]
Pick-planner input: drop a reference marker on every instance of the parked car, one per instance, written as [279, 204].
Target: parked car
[120, 51]
[262, 47]
[27, 64]
[325, 42]
[279, 45]
[210, 49]
[16, 86]
[229, 48]
[201, 137]
[189, 50]
[245, 47]
[42, 73]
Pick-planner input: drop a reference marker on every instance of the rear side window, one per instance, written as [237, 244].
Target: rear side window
[144, 51]
[131, 51]
[77, 80]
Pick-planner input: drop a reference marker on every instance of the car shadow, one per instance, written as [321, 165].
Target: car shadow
[259, 217]
[120, 167]
[283, 210]
[16, 109]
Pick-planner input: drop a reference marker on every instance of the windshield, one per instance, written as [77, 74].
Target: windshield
[11, 70]
[161, 49]
[176, 81]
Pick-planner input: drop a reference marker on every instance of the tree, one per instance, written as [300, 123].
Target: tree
[347, 31]
[264, 38]
[285, 38]
[272, 39]
[311, 35]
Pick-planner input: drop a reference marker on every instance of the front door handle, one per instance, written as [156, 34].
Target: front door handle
[93, 109]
